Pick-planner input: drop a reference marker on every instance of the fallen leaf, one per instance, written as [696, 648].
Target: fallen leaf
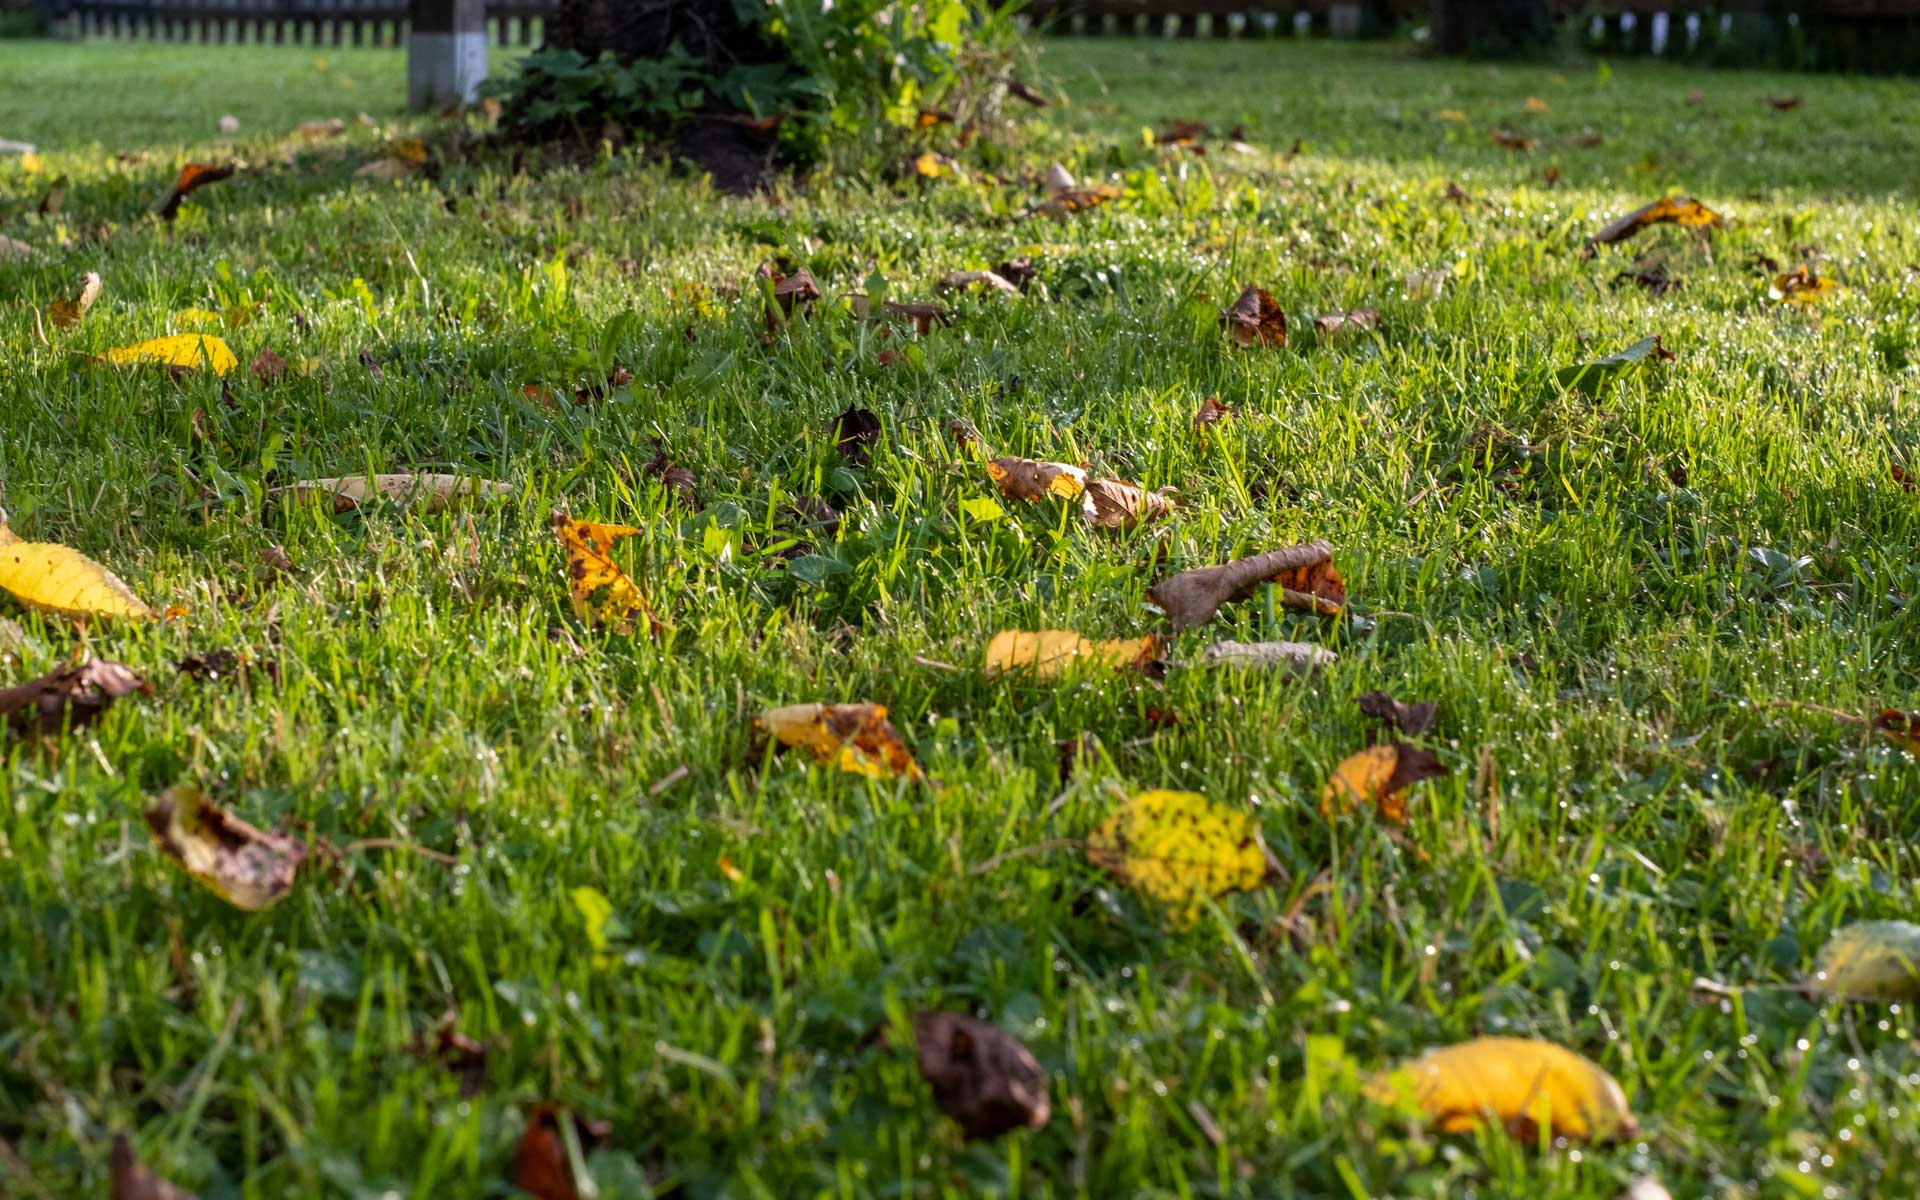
[1316, 587]
[267, 366]
[930, 165]
[13, 248]
[1117, 504]
[276, 560]
[54, 198]
[322, 127]
[1211, 412]
[1072, 751]
[129, 1180]
[192, 178]
[1255, 319]
[1551, 176]
[1590, 378]
[855, 738]
[992, 281]
[1051, 653]
[591, 570]
[1411, 719]
[1509, 140]
[1180, 848]
[675, 478]
[67, 313]
[1683, 211]
[1783, 103]
[855, 433]
[249, 868]
[1017, 271]
[1026, 479]
[542, 1166]
[1801, 286]
[1059, 179]
[432, 492]
[1191, 598]
[1901, 476]
[1300, 658]
[1869, 960]
[70, 697]
[1449, 114]
[923, 317]
[389, 169]
[981, 1075]
[797, 290]
[1180, 133]
[1378, 777]
[1535, 104]
[1586, 141]
[372, 365]
[61, 580]
[1521, 1084]
[1354, 320]
[1021, 91]
[1076, 200]
[182, 350]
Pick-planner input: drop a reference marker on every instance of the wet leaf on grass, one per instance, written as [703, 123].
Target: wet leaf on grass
[790, 291]
[1299, 658]
[65, 314]
[249, 868]
[1801, 286]
[981, 1075]
[69, 697]
[1331, 326]
[1304, 572]
[855, 738]
[181, 351]
[1025, 479]
[1211, 412]
[855, 433]
[1411, 719]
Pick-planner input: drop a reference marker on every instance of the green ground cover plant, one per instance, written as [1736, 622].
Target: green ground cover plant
[1657, 606]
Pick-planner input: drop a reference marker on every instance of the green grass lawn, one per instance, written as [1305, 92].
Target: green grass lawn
[1612, 598]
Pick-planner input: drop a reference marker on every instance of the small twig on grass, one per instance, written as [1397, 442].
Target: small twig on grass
[394, 844]
[1046, 847]
[933, 664]
[669, 779]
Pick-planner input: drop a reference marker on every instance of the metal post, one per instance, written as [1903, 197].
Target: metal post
[446, 52]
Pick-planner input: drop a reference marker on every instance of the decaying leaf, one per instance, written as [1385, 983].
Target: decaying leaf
[990, 280]
[1869, 960]
[1026, 479]
[1507, 139]
[249, 868]
[128, 1179]
[923, 317]
[432, 492]
[70, 697]
[1211, 412]
[182, 351]
[542, 1166]
[1059, 179]
[790, 291]
[389, 168]
[1411, 719]
[1117, 504]
[1519, 1084]
[320, 128]
[1021, 91]
[1255, 319]
[1017, 271]
[1378, 777]
[675, 478]
[1683, 211]
[1300, 658]
[1535, 104]
[591, 571]
[1801, 286]
[1902, 727]
[855, 433]
[61, 580]
[1181, 133]
[1305, 573]
[855, 738]
[981, 1075]
[1783, 103]
[267, 366]
[1050, 653]
[1355, 320]
[1181, 848]
[1071, 200]
[67, 313]
[192, 178]
[1590, 378]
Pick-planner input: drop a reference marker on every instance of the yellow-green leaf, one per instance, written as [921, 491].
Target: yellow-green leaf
[856, 738]
[1519, 1084]
[181, 350]
[59, 579]
[1870, 960]
[1180, 849]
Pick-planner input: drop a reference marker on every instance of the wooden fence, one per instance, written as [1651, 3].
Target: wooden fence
[280, 22]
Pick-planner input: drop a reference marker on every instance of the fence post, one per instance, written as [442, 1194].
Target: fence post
[446, 52]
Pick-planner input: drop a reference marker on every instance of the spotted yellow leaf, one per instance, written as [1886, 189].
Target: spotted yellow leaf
[855, 738]
[1050, 653]
[600, 589]
[1870, 960]
[1519, 1084]
[1180, 848]
[247, 867]
[59, 579]
[181, 350]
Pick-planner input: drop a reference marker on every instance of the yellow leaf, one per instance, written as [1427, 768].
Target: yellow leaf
[734, 874]
[30, 163]
[1180, 848]
[59, 579]
[181, 350]
[1050, 653]
[1521, 1084]
[1450, 114]
[596, 912]
[1378, 778]
[247, 867]
[1870, 960]
[928, 164]
[433, 492]
[411, 149]
[1801, 286]
[591, 570]
[67, 313]
[855, 738]
[196, 318]
[1536, 105]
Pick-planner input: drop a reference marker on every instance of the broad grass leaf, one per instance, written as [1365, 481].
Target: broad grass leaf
[432, 492]
[1870, 960]
[182, 350]
[855, 738]
[249, 868]
[600, 590]
[1180, 848]
[67, 313]
[1378, 778]
[128, 1179]
[61, 580]
[1026, 479]
[68, 698]
[1520, 1085]
[981, 1075]
[1051, 653]
[1255, 319]
[1683, 211]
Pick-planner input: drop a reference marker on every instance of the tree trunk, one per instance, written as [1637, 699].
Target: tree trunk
[1490, 26]
[711, 31]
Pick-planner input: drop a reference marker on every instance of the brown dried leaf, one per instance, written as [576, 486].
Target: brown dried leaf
[1017, 271]
[982, 1076]
[1783, 103]
[1191, 598]
[1354, 320]
[993, 282]
[1028, 480]
[1683, 211]
[192, 178]
[1255, 319]
[541, 1166]
[1117, 504]
[1181, 133]
[249, 868]
[797, 290]
[69, 697]
[674, 477]
[268, 367]
[1411, 719]
[433, 492]
[1316, 587]
[1378, 777]
[922, 316]
[1073, 200]
[67, 313]
[1509, 140]
[129, 1180]
[1021, 91]
[855, 433]
[1299, 658]
[1211, 412]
